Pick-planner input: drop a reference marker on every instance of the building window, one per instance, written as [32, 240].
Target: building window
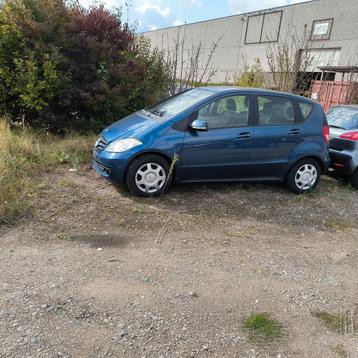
[321, 29]
[263, 28]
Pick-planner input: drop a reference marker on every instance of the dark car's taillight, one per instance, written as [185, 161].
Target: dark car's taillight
[350, 136]
[325, 132]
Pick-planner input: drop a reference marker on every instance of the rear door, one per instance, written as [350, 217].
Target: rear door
[278, 131]
[221, 152]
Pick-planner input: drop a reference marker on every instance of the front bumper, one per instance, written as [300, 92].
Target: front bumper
[111, 165]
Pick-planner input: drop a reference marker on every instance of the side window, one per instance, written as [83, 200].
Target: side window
[226, 112]
[275, 111]
[306, 109]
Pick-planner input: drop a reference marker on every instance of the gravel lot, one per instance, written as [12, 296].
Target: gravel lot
[99, 273]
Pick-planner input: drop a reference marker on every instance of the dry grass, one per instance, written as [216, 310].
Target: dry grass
[342, 323]
[23, 155]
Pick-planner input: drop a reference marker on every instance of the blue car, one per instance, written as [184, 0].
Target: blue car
[215, 134]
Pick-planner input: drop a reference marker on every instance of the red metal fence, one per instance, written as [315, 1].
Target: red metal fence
[331, 93]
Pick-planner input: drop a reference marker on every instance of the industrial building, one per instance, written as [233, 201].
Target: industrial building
[329, 25]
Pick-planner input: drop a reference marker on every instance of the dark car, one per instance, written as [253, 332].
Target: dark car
[343, 123]
[217, 134]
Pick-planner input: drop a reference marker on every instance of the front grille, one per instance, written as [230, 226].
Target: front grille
[101, 144]
[102, 167]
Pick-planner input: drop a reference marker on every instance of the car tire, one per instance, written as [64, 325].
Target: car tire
[354, 179]
[304, 176]
[147, 176]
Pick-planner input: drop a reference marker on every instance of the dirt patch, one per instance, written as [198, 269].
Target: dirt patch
[100, 241]
[97, 272]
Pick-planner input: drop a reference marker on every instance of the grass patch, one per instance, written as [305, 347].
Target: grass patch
[340, 351]
[261, 327]
[334, 322]
[65, 237]
[24, 154]
[338, 224]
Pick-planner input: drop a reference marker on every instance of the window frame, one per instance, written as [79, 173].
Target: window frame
[298, 117]
[327, 36]
[251, 114]
[262, 27]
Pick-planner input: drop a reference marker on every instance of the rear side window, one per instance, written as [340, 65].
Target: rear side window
[275, 110]
[306, 109]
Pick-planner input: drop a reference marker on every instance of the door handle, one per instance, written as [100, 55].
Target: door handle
[294, 131]
[244, 135]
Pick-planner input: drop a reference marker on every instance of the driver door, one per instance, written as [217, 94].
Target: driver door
[222, 151]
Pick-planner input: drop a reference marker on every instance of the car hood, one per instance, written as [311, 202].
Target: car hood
[134, 126]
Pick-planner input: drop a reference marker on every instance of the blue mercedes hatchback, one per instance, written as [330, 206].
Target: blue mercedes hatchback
[217, 134]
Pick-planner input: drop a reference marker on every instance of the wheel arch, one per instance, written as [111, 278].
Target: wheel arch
[314, 157]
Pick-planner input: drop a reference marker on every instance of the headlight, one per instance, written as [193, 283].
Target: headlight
[122, 145]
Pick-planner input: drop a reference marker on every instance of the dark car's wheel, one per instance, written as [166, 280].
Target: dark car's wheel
[354, 180]
[147, 175]
[304, 176]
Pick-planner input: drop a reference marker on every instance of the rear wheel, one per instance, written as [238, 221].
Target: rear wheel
[354, 179]
[147, 175]
[304, 176]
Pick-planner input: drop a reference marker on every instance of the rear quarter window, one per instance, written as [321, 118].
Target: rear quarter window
[306, 109]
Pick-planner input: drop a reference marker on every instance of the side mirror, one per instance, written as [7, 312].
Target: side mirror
[199, 125]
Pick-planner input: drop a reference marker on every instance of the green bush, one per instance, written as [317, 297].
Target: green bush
[64, 67]
[252, 76]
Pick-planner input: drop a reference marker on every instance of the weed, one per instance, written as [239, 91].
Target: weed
[24, 154]
[65, 237]
[338, 224]
[261, 326]
[142, 210]
[171, 171]
[334, 322]
[340, 351]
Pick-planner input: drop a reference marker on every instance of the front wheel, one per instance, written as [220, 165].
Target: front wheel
[304, 176]
[147, 175]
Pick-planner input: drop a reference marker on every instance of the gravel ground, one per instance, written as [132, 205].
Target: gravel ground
[99, 273]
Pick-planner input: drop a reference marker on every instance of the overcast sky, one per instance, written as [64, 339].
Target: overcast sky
[154, 14]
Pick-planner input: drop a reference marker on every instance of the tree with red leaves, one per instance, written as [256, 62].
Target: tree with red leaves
[64, 67]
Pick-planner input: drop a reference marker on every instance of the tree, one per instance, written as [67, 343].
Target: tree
[189, 66]
[66, 67]
[291, 59]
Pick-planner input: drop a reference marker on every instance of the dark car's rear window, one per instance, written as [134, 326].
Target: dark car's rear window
[343, 117]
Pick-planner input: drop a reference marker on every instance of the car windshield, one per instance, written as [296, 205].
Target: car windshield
[180, 102]
[343, 117]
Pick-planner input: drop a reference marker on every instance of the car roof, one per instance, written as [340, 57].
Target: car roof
[230, 89]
